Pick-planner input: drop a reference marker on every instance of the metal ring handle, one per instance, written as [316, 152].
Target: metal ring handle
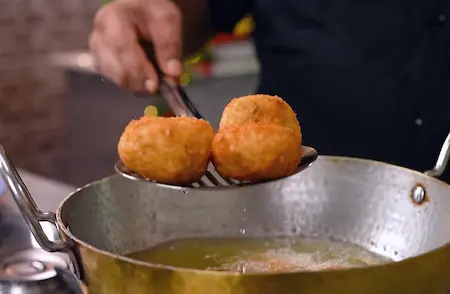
[27, 206]
[442, 160]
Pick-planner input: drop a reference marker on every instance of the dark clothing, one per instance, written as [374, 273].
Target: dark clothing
[367, 78]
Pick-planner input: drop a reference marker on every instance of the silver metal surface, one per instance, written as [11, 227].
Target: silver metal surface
[36, 271]
[212, 179]
[31, 265]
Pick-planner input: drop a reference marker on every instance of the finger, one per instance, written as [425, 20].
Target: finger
[141, 74]
[106, 62]
[151, 83]
[119, 34]
[165, 22]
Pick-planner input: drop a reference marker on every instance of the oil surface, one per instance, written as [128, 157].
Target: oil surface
[253, 255]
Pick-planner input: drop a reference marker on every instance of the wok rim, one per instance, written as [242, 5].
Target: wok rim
[62, 225]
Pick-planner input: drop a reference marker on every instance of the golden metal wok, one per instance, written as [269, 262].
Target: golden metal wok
[397, 212]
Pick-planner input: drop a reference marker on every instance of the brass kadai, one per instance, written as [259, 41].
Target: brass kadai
[387, 209]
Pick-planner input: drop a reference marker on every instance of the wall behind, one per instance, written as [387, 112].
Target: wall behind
[31, 90]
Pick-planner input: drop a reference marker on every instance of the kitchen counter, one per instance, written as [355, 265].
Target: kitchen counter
[47, 193]
[230, 60]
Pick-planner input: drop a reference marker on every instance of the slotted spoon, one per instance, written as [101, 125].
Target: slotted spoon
[181, 105]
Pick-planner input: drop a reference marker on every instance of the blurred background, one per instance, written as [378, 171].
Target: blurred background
[58, 118]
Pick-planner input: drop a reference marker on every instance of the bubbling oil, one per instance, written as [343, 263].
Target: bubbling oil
[259, 255]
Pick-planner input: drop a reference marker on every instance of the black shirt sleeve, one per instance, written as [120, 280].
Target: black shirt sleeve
[226, 13]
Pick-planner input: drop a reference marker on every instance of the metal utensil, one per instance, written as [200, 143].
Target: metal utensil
[181, 105]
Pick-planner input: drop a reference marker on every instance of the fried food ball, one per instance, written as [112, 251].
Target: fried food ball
[173, 150]
[259, 109]
[256, 152]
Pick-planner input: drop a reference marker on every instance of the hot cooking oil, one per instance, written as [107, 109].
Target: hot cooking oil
[256, 255]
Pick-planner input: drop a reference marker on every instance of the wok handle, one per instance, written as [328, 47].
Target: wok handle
[32, 214]
[27, 206]
[442, 160]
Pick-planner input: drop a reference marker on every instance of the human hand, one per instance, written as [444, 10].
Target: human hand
[119, 56]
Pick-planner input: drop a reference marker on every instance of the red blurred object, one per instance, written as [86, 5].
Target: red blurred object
[223, 38]
[204, 68]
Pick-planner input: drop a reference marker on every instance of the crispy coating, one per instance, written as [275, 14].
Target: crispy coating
[173, 150]
[256, 152]
[259, 109]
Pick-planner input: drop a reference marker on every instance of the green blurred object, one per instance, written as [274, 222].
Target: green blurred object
[106, 1]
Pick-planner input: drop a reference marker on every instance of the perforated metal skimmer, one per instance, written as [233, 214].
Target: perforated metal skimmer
[181, 105]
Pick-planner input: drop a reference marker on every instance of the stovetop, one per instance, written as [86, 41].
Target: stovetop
[25, 268]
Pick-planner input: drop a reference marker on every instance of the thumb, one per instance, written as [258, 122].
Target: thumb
[166, 34]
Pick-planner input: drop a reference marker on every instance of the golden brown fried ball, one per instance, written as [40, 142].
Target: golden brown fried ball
[259, 109]
[256, 152]
[172, 150]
